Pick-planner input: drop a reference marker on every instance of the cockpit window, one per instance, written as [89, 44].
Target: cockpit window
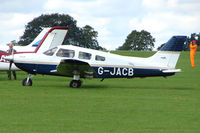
[84, 55]
[65, 53]
[50, 52]
[99, 58]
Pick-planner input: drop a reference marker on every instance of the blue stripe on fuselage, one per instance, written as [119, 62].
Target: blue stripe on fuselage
[121, 72]
[100, 72]
[36, 68]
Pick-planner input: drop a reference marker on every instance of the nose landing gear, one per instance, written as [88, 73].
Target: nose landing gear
[27, 81]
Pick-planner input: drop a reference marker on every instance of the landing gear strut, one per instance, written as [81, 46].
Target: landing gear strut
[27, 81]
[76, 83]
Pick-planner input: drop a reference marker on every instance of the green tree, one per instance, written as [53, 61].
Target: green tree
[75, 35]
[90, 38]
[138, 41]
[160, 46]
[193, 36]
[14, 42]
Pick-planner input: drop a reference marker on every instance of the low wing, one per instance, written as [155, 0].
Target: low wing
[71, 67]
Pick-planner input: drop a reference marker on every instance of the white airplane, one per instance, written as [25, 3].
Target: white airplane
[77, 62]
[48, 38]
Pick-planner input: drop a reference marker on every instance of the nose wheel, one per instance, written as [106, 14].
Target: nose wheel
[27, 81]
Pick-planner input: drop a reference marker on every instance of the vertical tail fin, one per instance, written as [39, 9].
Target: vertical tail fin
[52, 38]
[169, 53]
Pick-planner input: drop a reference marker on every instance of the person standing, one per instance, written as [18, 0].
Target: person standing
[193, 48]
[11, 51]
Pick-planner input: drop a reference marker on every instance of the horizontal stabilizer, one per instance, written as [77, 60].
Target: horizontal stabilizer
[171, 71]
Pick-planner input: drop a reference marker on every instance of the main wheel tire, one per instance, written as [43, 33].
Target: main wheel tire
[75, 84]
[27, 83]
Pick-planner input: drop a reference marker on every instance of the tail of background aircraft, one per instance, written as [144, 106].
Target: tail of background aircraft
[48, 38]
[38, 39]
[33, 45]
[168, 55]
[52, 38]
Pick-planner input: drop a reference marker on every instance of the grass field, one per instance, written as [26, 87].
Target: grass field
[149, 105]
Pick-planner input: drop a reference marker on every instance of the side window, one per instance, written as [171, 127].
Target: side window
[50, 52]
[84, 55]
[65, 53]
[99, 58]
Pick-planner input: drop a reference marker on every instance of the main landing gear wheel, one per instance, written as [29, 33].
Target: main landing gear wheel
[27, 82]
[75, 83]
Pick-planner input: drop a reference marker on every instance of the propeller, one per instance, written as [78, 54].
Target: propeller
[10, 60]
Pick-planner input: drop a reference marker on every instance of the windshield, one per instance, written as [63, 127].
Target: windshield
[50, 52]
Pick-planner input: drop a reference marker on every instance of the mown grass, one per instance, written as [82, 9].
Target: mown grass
[149, 105]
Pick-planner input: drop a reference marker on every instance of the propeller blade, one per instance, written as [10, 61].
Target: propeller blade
[10, 65]
[11, 61]
[9, 71]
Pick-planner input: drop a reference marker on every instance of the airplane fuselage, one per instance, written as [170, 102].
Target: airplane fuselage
[104, 65]
[77, 62]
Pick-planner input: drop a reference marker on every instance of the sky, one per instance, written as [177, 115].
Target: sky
[112, 19]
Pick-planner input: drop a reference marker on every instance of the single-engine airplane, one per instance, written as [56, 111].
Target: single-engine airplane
[48, 38]
[77, 62]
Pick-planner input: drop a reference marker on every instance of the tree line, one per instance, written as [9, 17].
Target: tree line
[87, 37]
[79, 36]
